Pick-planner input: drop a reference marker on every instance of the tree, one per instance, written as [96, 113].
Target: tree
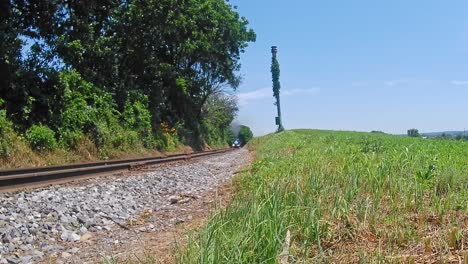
[181, 52]
[218, 113]
[245, 134]
[28, 78]
[177, 53]
[413, 133]
[275, 73]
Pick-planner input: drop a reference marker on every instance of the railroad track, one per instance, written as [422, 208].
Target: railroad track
[22, 177]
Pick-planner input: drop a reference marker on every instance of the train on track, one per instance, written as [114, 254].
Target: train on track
[236, 143]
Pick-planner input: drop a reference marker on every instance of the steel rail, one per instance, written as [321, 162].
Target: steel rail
[13, 177]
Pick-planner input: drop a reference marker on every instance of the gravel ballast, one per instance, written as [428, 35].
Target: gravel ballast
[57, 221]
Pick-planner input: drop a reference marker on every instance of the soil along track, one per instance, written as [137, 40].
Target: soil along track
[107, 216]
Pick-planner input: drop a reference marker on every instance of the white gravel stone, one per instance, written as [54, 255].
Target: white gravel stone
[66, 255]
[34, 219]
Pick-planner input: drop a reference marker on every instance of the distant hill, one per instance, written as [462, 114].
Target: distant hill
[437, 134]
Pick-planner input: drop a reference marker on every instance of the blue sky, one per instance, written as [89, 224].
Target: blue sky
[357, 65]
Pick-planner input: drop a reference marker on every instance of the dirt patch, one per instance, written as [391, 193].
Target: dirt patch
[161, 247]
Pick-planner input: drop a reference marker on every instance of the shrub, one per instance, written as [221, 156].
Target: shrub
[117, 139]
[136, 114]
[123, 139]
[41, 138]
[86, 108]
[70, 139]
[6, 147]
[132, 138]
[245, 134]
[99, 134]
[77, 94]
[218, 112]
[168, 136]
[137, 119]
[7, 135]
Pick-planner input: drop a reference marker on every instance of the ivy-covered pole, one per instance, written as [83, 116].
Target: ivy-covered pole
[275, 73]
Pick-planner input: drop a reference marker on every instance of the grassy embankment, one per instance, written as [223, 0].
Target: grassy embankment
[345, 197]
[16, 151]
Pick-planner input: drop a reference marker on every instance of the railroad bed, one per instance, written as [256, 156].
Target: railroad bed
[89, 220]
[14, 178]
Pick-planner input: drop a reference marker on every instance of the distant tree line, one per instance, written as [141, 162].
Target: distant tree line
[453, 137]
[458, 136]
[413, 132]
[118, 71]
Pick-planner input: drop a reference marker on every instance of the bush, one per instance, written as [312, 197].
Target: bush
[168, 137]
[70, 139]
[137, 119]
[86, 109]
[245, 134]
[90, 111]
[218, 113]
[7, 135]
[136, 114]
[41, 138]
[6, 149]
[151, 142]
[6, 146]
[212, 134]
[132, 138]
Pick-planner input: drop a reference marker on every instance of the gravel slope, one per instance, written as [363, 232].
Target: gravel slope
[58, 221]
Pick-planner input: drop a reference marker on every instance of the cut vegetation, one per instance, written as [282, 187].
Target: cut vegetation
[344, 197]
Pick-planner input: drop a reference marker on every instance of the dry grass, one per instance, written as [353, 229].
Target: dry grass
[22, 155]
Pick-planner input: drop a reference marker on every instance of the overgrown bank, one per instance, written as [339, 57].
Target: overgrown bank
[102, 78]
[40, 146]
[345, 197]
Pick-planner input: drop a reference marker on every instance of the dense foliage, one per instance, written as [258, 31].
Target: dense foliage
[7, 136]
[345, 197]
[413, 132]
[217, 118]
[41, 138]
[245, 135]
[121, 73]
[275, 74]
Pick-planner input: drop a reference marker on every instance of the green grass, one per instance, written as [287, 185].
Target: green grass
[346, 197]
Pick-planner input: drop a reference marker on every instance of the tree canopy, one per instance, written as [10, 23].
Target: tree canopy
[413, 132]
[172, 54]
[245, 134]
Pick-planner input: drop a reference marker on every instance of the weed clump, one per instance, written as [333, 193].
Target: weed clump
[41, 138]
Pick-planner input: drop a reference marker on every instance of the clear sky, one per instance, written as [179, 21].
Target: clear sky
[357, 65]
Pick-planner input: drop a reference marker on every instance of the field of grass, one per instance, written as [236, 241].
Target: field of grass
[344, 197]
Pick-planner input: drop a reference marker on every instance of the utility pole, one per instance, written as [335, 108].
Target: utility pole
[275, 72]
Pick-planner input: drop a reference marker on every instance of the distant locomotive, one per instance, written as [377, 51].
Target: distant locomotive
[236, 143]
